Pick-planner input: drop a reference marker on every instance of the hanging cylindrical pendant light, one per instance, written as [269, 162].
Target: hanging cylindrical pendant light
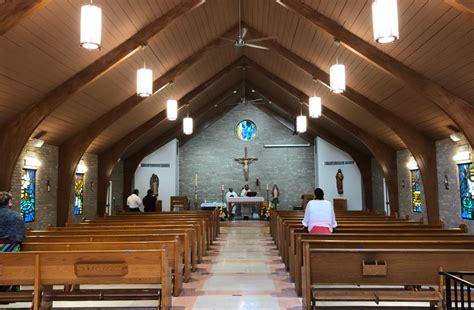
[315, 108]
[91, 26]
[385, 20]
[301, 122]
[187, 123]
[144, 80]
[337, 76]
[172, 109]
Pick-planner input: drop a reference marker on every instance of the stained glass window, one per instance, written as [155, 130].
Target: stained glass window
[466, 190]
[246, 130]
[78, 193]
[416, 190]
[28, 194]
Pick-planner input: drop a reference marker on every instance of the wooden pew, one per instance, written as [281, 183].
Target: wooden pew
[104, 236]
[400, 267]
[171, 246]
[89, 267]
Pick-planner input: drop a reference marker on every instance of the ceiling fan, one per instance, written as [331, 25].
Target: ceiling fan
[241, 41]
[243, 98]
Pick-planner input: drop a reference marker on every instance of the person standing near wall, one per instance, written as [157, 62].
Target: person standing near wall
[149, 201]
[134, 202]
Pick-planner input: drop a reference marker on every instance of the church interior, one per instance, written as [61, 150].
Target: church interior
[229, 113]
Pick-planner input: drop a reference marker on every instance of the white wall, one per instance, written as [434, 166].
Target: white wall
[327, 175]
[167, 154]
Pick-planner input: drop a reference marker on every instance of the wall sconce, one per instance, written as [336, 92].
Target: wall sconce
[48, 185]
[37, 142]
[463, 155]
[411, 164]
[31, 161]
[81, 167]
[92, 186]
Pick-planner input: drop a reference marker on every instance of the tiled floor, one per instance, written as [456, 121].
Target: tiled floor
[243, 271]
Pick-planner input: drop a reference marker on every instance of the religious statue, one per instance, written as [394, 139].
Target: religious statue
[246, 161]
[154, 184]
[339, 179]
[275, 195]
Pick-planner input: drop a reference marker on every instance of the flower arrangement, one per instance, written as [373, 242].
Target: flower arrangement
[222, 213]
[265, 210]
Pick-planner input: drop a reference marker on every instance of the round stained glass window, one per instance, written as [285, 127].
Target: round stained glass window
[246, 130]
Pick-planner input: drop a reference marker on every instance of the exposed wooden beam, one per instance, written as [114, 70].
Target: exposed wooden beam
[461, 112]
[13, 11]
[73, 149]
[363, 160]
[421, 147]
[16, 132]
[131, 163]
[466, 6]
[109, 158]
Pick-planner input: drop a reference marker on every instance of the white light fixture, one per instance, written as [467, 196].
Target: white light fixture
[385, 20]
[457, 136]
[31, 161]
[411, 164]
[91, 24]
[463, 155]
[314, 107]
[144, 79]
[337, 76]
[187, 123]
[172, 109]
[37, 142]
[301, 122]
[81, 167]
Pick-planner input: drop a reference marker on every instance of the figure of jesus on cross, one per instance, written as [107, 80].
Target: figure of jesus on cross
[246, 161]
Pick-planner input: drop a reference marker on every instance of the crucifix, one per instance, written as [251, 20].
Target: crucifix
[246, 161]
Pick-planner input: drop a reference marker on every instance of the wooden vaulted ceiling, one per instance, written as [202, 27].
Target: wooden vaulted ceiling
[41, 51]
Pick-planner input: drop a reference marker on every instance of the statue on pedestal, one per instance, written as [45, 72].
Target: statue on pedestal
[154, 184]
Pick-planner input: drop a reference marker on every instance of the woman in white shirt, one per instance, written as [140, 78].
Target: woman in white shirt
[319, 216]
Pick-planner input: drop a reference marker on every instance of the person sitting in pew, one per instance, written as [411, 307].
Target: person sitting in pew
[12, 230]
[319, 217]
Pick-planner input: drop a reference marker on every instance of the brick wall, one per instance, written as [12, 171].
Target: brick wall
[449, 200]
[90, 190]
[45, 200]
[211, 154]
[404, 189]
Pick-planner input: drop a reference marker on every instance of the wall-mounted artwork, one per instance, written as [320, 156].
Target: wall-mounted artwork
[415, 179]
[28, 194]
[466, 190]
[78, 193]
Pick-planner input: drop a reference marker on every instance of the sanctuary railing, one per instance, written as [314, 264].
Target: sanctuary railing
[459, 291]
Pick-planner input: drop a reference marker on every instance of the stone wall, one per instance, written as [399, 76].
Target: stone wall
[90, 191]
[45, 199]
[211, 154]
[449, 200]
[404, 189]
[117, 187]
[377, 187]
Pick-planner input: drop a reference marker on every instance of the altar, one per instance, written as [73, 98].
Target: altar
[248, 204]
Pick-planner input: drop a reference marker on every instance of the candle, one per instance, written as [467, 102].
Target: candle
[267, 186]
[196, 179]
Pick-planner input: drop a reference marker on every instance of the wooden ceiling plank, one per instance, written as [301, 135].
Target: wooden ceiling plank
[457, 109]
[463, 6]
[12, 12]
[17, 133]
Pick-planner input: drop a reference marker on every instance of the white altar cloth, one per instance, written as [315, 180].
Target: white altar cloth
[212, 204]
[245, 199]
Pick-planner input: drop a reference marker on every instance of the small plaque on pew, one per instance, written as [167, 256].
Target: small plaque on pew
[374, 268]
[101, 269]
